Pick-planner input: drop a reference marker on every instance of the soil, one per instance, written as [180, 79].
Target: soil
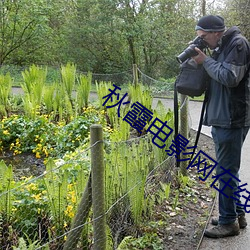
[25, 164]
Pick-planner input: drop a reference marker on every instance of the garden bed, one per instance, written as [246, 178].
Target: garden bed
[178, 221]
[150, 205]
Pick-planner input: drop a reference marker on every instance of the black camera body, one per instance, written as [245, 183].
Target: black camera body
[190, 51]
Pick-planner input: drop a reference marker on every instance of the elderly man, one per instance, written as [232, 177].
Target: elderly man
[228, 112]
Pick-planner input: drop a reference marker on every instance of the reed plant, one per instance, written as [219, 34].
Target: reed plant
[83, 91]
[5, 90]
[163, 115]
[6, 196]
[34, 80]
[126, 172]
[68, 75]
[102, 89]
[48, 97]
[62, 106]
[56, 184]
[140, 93]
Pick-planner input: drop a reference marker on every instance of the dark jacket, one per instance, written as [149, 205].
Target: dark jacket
[228, 103]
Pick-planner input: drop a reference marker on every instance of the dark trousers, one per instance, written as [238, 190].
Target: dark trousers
[228, 145]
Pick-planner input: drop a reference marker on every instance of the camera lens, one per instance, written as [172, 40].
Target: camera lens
[187, 53]
[190, 50]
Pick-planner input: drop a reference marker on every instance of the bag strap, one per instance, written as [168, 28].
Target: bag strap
[200, 124]
[176, 119]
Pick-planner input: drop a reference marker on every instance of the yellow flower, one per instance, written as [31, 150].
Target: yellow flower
[38, 155]
[6, 132]
[73, 199]
[69, 211]
[45, 151]
[31, 186]
[16, 152]
[14, 209]
[37, 196]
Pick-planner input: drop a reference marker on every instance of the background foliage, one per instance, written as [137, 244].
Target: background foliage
[106, 36]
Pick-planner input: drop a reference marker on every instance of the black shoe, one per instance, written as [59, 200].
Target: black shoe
[241, 219]
[221, 231]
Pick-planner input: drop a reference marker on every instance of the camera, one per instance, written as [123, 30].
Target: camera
[190, 51]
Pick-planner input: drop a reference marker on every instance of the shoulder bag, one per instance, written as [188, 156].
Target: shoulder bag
[192, 79]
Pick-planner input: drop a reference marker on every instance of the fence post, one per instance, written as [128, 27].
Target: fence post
[184, 127]
[98, 195]
[135, 74]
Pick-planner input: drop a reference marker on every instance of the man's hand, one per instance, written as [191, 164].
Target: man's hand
[200, 58]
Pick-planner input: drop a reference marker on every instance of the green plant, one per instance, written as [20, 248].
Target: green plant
[147, 241]
[48, 98]
[141, 94]
[30, 207]
[6, 184]
[68, 74]
[56, 189]
[164, 116]
[5, 90]
[102, 89]
[165, 190]
[29, 245]
[44, 137]
[126, 172]
[176, 199]
[183, 180]
[83, 91]
[34, 81]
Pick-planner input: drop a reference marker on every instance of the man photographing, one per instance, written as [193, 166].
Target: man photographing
[228, 112]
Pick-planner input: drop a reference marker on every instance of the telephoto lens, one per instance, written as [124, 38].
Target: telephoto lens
[190, 50]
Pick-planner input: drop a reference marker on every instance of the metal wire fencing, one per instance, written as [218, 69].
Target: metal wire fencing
[64, 207]
[74, 205]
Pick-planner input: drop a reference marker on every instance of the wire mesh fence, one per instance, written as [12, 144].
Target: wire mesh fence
[56, 209]
[160, 87]
[45, 211]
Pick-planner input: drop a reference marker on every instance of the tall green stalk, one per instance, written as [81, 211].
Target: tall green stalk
[5, 90]
[126, 171]
[56, 185]
[48, 98]
[163, 115]
[6, 184]
[68, 74]
[102, 89]
[139, 93]
[83, 90]
[62, 106]
[33, 85]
